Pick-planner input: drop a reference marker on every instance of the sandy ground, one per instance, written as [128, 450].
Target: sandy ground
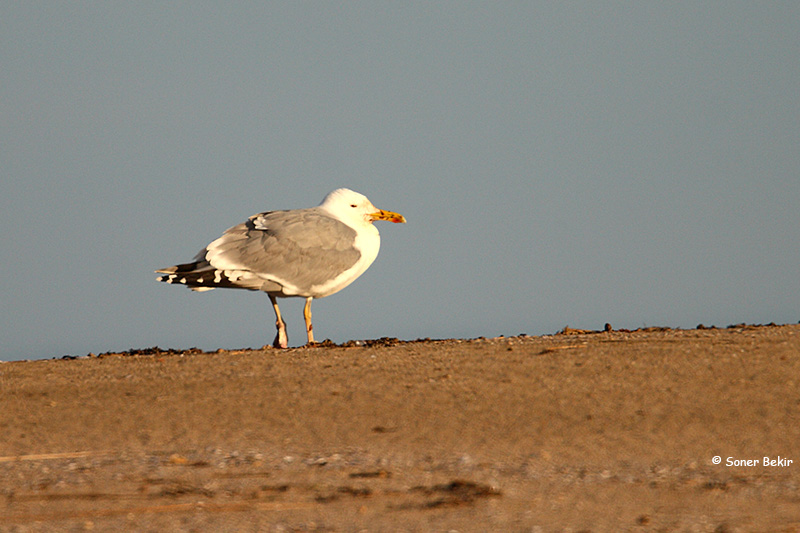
[612, 431]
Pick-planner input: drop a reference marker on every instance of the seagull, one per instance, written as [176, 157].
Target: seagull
[305, 253]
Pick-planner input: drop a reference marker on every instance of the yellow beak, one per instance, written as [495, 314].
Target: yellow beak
[387, 215]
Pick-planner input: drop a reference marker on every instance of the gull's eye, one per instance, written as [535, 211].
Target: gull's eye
[353, 205]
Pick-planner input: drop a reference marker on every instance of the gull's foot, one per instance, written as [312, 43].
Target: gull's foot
[281, 341]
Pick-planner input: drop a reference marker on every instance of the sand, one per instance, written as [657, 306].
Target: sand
[608, 431]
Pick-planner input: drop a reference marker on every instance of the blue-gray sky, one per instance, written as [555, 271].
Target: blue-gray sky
[559, 163]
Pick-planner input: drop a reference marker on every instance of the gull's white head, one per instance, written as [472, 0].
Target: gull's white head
[355, 209]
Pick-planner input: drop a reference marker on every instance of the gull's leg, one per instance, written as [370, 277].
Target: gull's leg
[281, 339]
[307, 316]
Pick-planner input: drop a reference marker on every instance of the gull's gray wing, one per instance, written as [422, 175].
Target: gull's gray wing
[302, 248]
